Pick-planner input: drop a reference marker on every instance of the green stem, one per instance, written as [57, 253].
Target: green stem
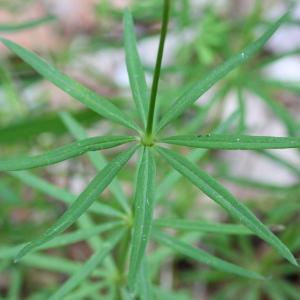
[163, 34]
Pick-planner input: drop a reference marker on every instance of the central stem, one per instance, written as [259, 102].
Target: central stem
[163, 34]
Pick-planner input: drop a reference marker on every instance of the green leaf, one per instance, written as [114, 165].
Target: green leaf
[96, 158]
[134, 68]
[273, 292]
[63, 153]
[260, 185]
[44, 122]
[12, 99]
[56, 264]
[195, 155]
[87, 268]
[80, 235]
[87, 97]
[86, 291]
[143, 209]
[145, 287]
[64, 239]
[9, 28]
[225, 199]
[193, 93]
[83, 222]
[16, 280]
[292, 291]
[253, 294]
[61, 194]
[203, 257]
[293, 87]
[202, 226]
[83, 202]
[233, 142]
[173, 176]
[50, 263]
[277, 56]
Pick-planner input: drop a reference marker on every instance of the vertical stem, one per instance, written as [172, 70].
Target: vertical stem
[163, 34]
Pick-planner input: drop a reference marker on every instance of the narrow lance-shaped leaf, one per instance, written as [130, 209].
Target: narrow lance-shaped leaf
[46, 122]
[145, 287]
[225, 199]
[96, 158]
[64, 239]
[15, 287]
[233, 142]
[135, 68]
[195, 155]
[289, 288]
[94, 261]
[50, 263]
[203, 257]
[81, 234]
[62, 194]
[63, 153]
[259, 185]
[95, 241]
[202, 226]
[289, 86]
[11, 96]
[9, 28]
[85, 220]
[87, 97]
[193, 93]
[87, 291]
[83, 202]
[274, 57]
[143, 209]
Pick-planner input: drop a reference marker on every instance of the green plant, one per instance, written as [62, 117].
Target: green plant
[130, 224]
[8, 28]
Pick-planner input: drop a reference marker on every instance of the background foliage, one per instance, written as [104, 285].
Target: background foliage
[35, 118]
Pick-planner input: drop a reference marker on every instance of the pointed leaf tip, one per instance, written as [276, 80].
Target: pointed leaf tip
[192, 94]
[75, 89]
[225, 199]
[83, 202]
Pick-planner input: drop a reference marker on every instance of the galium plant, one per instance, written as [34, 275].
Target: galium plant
[131, 226]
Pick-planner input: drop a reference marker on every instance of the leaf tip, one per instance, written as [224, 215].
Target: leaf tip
[269, 277]
[261, 277]
[294, 261]
[17, 258]
[7, 43]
